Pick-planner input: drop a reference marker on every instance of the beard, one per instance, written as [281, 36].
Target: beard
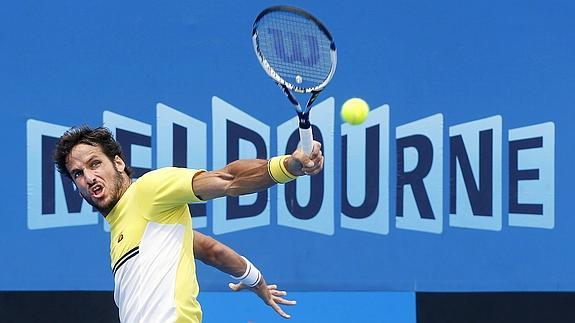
[113, 196]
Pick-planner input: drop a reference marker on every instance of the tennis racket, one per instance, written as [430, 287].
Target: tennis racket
[297, 51]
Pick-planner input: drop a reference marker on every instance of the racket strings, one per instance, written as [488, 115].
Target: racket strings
[295, 47]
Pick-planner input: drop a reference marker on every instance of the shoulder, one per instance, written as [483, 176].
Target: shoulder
[167, 177]
[166, 173]
[168, 183]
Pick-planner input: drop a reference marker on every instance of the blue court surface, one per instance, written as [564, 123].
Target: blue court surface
[312, 307]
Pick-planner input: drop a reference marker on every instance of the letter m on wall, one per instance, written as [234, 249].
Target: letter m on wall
[53, 200]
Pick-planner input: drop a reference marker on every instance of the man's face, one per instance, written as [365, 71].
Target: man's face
[98, 178]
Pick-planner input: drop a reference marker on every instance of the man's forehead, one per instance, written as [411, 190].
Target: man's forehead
[81, 153]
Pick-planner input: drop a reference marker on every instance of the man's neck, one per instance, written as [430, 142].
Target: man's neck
[126, 182]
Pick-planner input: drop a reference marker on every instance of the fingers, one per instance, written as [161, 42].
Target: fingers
[316, 150]
[276, 299]
[283, 301]
[277, 296]
[270, 294]
[312, 164]
[303, 159]
[314, 155]
[237, 287]
[280, 311]
[316, 168]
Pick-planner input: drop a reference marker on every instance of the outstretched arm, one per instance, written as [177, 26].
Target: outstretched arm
[218, 255]
[249, 176]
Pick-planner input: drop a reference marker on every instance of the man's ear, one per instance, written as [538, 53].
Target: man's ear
[119, 163]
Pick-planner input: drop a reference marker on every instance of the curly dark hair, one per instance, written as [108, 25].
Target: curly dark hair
[86, 135]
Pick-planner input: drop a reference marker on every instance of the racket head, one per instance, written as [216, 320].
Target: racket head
[294, 48]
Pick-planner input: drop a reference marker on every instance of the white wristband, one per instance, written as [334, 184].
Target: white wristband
[251, 277]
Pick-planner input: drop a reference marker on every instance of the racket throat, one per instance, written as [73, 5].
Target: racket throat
[304, 120]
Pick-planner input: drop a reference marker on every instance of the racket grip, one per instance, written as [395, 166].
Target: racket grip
[306, 140]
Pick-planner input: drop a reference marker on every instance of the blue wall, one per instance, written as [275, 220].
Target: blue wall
[488, 86]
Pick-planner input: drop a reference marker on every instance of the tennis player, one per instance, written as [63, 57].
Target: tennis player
[152, 243]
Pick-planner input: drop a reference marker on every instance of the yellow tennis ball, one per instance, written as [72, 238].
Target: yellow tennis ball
[354, 111]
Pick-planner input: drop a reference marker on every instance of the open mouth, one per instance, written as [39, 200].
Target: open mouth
[97, 190]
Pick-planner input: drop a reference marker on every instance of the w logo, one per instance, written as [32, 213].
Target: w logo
[294, 48]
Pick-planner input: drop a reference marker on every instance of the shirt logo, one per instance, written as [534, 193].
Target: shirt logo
[120, 237]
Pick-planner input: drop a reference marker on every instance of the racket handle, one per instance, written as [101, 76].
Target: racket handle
[306, 140]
